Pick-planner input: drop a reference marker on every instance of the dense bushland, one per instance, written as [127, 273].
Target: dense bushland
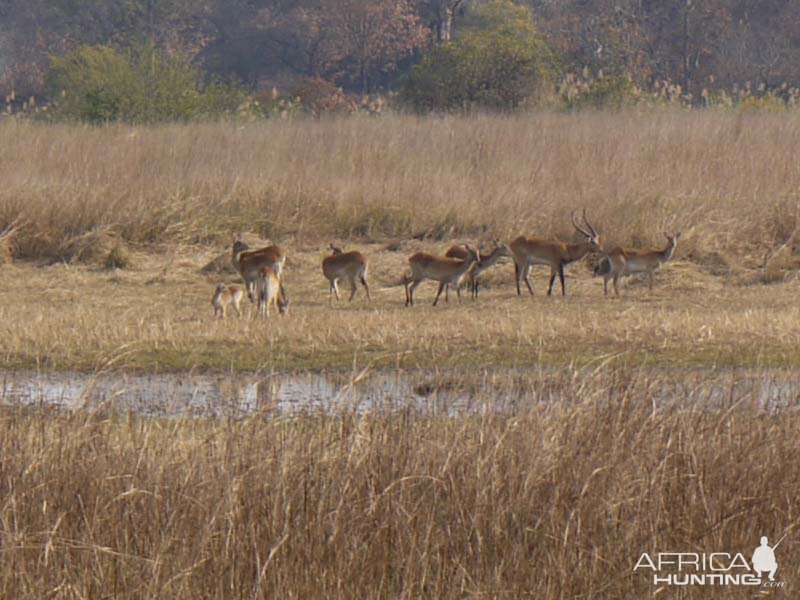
[443, 54]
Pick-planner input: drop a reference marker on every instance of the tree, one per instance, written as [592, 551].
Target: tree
[762, 45]
[307, 40]
[602, 35]
[33, 30]
[441, 16]
[239, 38]
[374, 35]
[98, 84]
[498, 62]
[350, 42]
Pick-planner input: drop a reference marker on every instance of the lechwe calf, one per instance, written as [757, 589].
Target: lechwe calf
[447, 271]
[248, 263]
[224, 296]
[487, 260]
[346, 266]
[270, 292]
[628, 261]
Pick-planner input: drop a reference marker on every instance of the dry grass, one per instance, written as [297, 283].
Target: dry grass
[158, 316]
[729, 181]
[162, 202]
[557, 500]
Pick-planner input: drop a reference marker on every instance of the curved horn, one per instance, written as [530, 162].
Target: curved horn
[578, 227]
[589, 225]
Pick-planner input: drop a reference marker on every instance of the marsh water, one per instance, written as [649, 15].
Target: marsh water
[441, 392]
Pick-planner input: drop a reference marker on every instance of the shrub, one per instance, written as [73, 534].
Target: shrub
[319, 96]
[143, 84]
[603, 92]
[498, 63]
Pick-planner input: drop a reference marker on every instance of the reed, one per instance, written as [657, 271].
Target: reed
[556, 499]
[728, 180]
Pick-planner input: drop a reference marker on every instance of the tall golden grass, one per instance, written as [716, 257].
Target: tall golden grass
[557, 500]
[729, 180]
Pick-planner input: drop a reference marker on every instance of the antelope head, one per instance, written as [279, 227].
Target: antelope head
[474, 254]
[283, 301]
[504, 250]
[672, 241]
[239, 246]
[591, 237]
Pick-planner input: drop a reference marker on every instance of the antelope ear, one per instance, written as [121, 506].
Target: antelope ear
[677, 235]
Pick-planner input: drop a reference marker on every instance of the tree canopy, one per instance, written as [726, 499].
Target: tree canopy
[497, 61]
[503, 51]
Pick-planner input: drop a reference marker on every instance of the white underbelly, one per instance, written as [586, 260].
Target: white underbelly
[633, 266]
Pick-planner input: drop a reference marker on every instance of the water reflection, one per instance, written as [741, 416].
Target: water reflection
[449, 392]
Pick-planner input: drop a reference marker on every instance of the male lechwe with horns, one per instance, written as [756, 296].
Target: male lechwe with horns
[529, 251]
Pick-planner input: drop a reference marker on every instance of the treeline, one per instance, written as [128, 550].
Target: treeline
[105, 59]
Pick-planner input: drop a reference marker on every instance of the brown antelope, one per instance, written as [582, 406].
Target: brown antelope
[350, 266]
[447, 271]
[627, 261]
[248, 263]
[270, 292]
[224, 296]
[487, 260]
[538, 251]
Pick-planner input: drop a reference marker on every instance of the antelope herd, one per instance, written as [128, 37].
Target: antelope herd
[262, 269]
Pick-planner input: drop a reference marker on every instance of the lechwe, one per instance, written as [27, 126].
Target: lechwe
[487, 260]
[224, 296]
[538, 251]
[627, 261]
[447, 271]
[248, 263]
[348, 266]
[270, 292]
